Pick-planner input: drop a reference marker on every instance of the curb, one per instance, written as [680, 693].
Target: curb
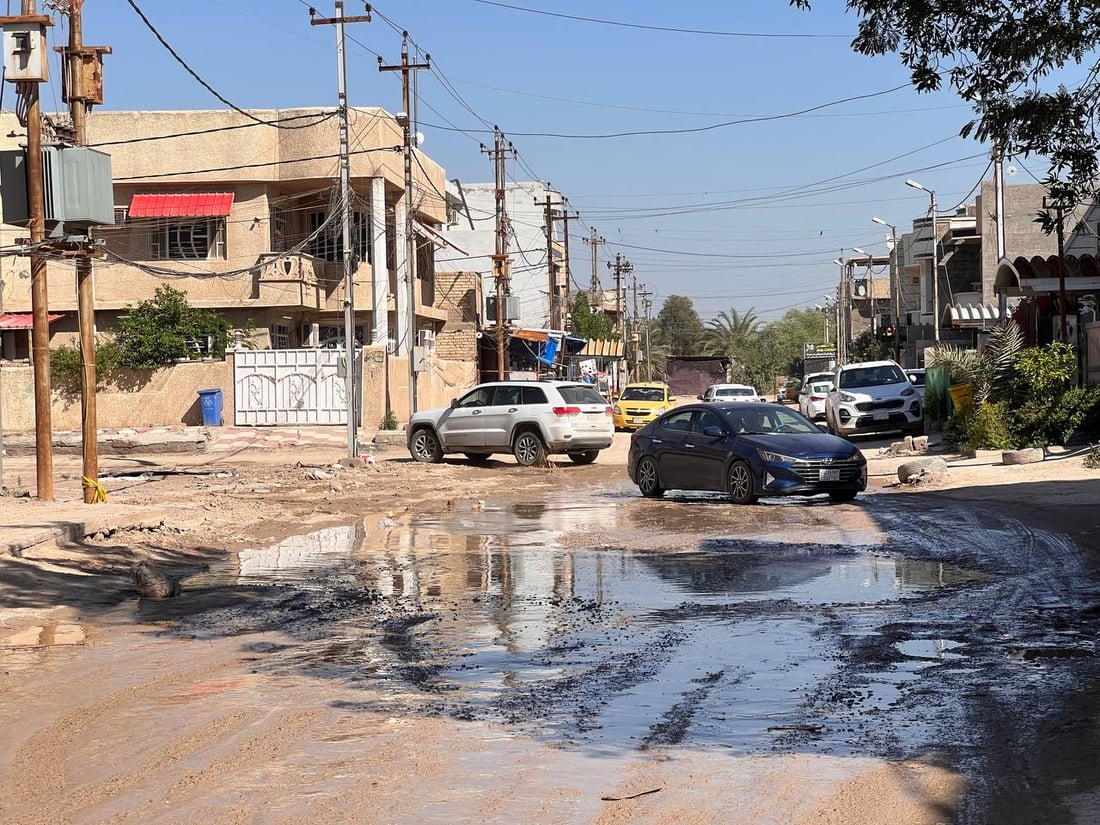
[71, 531]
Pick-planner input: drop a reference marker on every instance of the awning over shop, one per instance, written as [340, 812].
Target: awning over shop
[437, 238]
[601, 348]
[529, 334]
[182, 205]
[975, 315]
[21, 320]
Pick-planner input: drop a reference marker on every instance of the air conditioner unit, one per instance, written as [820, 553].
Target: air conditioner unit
[426, 338]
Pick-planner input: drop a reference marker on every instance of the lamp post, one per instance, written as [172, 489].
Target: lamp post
[935, 260]
[841, 347]
[895, 284]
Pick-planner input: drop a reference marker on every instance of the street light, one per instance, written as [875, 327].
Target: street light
[895, 284]
[935, 260]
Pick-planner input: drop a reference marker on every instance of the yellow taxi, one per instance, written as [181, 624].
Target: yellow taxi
[640, 403]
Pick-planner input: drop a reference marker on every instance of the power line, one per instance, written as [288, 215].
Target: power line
[258, 165]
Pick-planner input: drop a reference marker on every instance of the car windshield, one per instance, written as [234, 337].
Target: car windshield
[642, 394]
[581, 395]
[824, 386]
[732, 392]
[772, 420]
[871, 376]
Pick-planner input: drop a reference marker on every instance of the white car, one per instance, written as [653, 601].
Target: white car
[872, 397]
[529, 419]
[812, 395]
[730, 392]
[916, 378]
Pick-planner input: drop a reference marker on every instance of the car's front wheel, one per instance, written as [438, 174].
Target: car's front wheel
[586, 457]
[529, 449]
[649, 483]
[425, 446]
[739, 483]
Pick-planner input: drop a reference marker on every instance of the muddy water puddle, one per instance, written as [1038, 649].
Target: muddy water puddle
[497, 612]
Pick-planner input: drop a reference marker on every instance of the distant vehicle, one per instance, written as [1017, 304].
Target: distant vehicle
[789, 391]
[731, 392]
[529, 419]
[811, 398]
[872, 397]
[746, 450]
[916, 378]
[640, 403]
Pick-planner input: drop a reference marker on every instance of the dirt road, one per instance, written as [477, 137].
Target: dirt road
[398, 642]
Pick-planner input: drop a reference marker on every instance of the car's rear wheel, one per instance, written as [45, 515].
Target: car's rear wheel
[586, 457]
[649, 482]
[425, 446]
[528, 449]
[841, 496]
[477, 458]
[739, 483]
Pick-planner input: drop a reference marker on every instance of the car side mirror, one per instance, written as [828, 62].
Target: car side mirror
[454, 402]
[713, 432]
[671, 398]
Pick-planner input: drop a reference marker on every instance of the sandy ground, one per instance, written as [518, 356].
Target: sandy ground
[107, 719]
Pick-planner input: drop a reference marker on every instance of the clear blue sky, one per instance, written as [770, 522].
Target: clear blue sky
[744, 216]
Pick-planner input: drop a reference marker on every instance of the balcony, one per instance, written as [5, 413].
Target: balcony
[297, 280]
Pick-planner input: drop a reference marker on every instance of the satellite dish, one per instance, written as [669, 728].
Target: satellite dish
[1011, 170]
[419, 138]
[861, 289]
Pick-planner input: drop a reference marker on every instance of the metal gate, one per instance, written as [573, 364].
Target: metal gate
[289, 386]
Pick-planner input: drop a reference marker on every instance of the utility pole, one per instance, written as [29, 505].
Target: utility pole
[620, 267]
[568, 297]
[78, 61]
[501, 261]
[410, 234]
[1059, 217]
[999, 221]
[635, 338]
[648, 304]
[345, 213]
[554, 317]
[27, 88]
[596, 290]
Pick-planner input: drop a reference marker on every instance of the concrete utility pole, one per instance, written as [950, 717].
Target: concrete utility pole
[405, 67]
[345, 209]
[501, 261]
[554, 317]
[568, 296]
[635, 338]
[999, 221]
[40, 325]
[647, 304]
[621, 267]
[1059, 218]
[596, 290]
[79, 59]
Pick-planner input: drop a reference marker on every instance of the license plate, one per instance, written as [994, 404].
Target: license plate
[637, 421]
[829, 475]
[595, 418]
[880, 415]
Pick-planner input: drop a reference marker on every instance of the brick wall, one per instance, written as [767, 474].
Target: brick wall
[459, 293]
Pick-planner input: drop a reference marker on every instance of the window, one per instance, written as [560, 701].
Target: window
[680, 421]
[706, 419]
[329, 244]
[506, 396]
[582, 395]
[188, 239]
[534, 395]
[280, 336]
[479, 397]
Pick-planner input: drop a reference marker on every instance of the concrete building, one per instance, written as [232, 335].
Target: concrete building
[241, 211]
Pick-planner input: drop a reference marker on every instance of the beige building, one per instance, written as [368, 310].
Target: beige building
[241, 211]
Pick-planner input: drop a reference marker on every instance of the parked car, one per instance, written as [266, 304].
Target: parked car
[731, 392]
[529, 419]
[811, 398]
[916, 378]
[788, 392]
[872, 397]
[746, 450]
[640, 403]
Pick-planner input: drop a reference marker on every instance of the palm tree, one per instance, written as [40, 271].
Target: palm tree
[729, 330]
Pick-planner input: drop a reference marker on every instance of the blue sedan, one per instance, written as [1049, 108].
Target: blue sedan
[746, 450]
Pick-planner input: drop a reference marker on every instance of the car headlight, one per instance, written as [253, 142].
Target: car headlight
[776, 458]
[659, 410]
[909, 391]
[846, 397]
[859, 458]
[617, 410]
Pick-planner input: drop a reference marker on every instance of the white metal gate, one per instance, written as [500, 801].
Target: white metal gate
[289, 386]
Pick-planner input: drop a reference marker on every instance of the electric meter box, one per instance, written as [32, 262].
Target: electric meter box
[26, 58]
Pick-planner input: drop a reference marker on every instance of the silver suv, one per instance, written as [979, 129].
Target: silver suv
[529, 419]
[871, 397]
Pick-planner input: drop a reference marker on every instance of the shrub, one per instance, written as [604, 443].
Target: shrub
[66, 365]
[388, 422]
[1092, 458]
[985, 427]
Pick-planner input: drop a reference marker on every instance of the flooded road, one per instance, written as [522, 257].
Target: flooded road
[616, 628]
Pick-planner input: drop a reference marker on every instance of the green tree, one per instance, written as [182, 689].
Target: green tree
[729, 331]
[998, 55]
[589, 324]
[868, 347]
[678, 329]
[161, 330]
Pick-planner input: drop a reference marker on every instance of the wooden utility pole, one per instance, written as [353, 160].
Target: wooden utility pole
[554, 317]
[501, 261]
[568, 296]
[594, 241]
[345, 209]
[405, 67]
[620, 267]
[83, 88]
[647, 303]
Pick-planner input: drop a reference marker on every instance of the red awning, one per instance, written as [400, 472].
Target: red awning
[21, 320]
[182, 205]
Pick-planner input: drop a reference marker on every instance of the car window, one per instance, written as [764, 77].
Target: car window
[824, 386]
[534, 395]
[506, 396]
[871, 376]
[916, 378]
[706, 418]
[737, 392]
[477, 397]
[788, 421]
[679, 421]
[642, 394]
[581, 395]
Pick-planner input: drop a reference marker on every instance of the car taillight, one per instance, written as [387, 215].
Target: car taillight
[817, 397]
[567, 410]
[608, 410]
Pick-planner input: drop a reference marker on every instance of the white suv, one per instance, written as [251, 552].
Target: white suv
[730, 392]
[529, 419]
[871, 397]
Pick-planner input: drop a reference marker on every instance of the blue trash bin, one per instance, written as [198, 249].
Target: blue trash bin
[211, 403]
